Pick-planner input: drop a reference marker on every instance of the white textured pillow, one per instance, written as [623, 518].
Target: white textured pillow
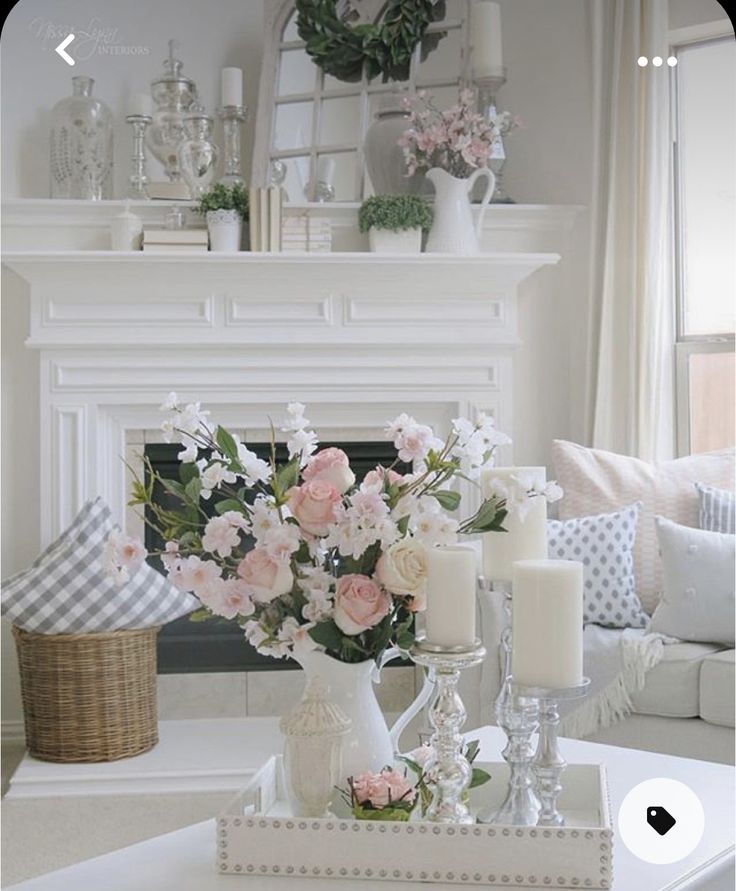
[67, 589]
[604, 544]
[598, 482]
[698, 599]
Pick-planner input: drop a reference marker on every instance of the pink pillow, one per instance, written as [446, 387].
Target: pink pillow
[597, 482]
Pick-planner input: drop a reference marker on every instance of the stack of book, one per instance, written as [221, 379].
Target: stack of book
[265, 218]
[173, 241]
[305, 233]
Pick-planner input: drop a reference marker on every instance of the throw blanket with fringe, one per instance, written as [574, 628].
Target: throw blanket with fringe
[617, 664]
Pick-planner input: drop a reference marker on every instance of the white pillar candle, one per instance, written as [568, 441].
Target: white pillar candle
[231, 83]
[326, 170]
[547, 626]
[451, 586]
[140, 104]
[526, 534]
[485, 35]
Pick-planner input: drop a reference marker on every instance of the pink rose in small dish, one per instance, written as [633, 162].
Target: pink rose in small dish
[313, 505]
[267, 578]
[331, 466]
[382, 796]
[360, 604]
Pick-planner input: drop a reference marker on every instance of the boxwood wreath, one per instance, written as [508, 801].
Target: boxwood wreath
[384, 47]
[395, 213]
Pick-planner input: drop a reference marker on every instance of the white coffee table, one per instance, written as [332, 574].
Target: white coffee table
[184, 860]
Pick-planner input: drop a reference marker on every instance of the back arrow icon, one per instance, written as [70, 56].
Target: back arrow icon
[62, 46]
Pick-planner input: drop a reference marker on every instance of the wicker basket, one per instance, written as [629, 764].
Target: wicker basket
[88, 697]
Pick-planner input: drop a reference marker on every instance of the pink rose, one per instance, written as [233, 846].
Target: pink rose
[382, 789]
[313, 505]
[266, 577]
[331, 466]
[359, 604]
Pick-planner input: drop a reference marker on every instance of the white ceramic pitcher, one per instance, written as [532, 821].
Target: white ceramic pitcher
[453, 231]
[368, 745]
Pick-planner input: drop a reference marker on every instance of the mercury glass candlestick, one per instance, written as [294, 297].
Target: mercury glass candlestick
[517, 716]
[548, 764]
[232, 116]
[449, 767]
[138, 178]
[487, 87]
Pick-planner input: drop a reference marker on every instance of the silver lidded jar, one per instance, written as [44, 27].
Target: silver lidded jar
[197, 153]
[174, 97]
[81, 145]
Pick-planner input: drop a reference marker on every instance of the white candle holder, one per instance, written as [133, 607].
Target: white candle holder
[138, 179]
[232, 116]
[548, 764]
[487, 87]
[449, 767]
[517, 716]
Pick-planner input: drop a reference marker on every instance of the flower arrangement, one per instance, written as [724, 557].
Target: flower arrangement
[459, 140]
[395, 213]
[298, 554]
[387, 795]
[222, 197]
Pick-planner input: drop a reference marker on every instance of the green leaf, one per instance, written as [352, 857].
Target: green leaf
[226, 444]
[448, 499]
[200, 615]
[228, 504]
[479, 777]
[193, 489]
[188, 471]
[405, 640]
[328, 635]
[288, 475]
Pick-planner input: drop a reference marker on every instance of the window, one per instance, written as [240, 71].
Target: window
[316, 117]
[705, 235]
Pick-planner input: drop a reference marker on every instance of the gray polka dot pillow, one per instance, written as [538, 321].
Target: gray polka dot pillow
[604, 544]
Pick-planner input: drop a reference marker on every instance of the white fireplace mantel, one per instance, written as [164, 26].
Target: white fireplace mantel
[358, 337]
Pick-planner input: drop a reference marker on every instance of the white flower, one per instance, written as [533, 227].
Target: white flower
[171, 403]
[318, 607]
[303, 443]
[256, 469]
[213, 476]
[264, 517]
[191, 418]
[402, 569]
[189, 453]
[168, 429]
[199, 576]
[476, 443]
[434, 528]
[121, 556]
[171, 555]
[220, 537]
[421, 755]
[255, 633]
[281, 541]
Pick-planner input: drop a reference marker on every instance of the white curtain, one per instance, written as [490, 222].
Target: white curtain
[630, 399]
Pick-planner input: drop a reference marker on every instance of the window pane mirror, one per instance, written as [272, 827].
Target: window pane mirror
[305, 115]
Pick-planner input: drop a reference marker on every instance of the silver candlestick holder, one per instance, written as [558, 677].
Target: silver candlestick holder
[487, 88]
[518, 716]
[232, 116]
[138, 179]
[449, 767]
[548, 764]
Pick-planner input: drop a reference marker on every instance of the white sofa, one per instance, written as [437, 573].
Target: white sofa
[686, 707]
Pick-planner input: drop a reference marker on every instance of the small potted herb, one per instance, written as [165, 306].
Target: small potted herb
[225, 208]
[394, 223]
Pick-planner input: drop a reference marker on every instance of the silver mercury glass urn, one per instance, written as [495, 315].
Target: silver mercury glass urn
[197, 153]
[174, 96]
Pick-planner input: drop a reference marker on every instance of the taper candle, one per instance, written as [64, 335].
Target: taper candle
[547, 622]
[140, 104]
[487, 52]
[526, 535]
[451, 586]
[231, 86]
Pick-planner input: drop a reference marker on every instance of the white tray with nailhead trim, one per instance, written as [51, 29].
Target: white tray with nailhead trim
[257, 835]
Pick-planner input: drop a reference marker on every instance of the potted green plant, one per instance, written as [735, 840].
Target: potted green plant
[394, 223]
[225, 208]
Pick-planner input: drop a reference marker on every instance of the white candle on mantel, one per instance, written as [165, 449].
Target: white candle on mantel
[525, 538]
[547, 646]
[451, 585]
[140, 104]
[485, 36]
[231, 83]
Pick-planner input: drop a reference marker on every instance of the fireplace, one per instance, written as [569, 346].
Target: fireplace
[218, 645]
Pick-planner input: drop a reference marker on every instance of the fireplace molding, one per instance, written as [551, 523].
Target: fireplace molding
[357, 337]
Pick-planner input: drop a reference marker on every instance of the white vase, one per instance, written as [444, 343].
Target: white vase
[386, 241]
[453, 231]
[226, 230]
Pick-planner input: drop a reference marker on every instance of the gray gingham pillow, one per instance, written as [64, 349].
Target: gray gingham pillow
[67, 590]
[717, 509]
[604, 544]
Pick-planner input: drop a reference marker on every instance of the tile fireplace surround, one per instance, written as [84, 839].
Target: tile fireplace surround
[355, 336]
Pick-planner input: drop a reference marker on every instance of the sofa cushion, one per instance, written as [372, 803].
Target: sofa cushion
[717, 509]
[598, 482]
[717, 688]
[672, 688]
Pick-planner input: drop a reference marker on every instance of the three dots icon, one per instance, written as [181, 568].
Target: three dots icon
[657, 61]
